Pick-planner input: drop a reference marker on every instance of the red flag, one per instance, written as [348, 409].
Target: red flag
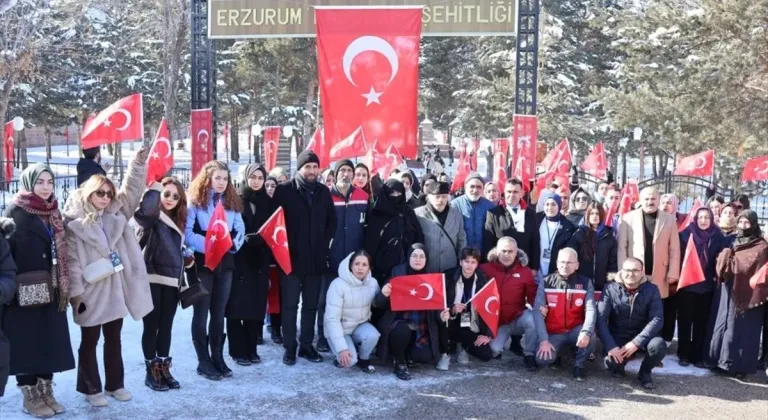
[271, 141]
[317, 145]
[368, 65]
[523, 145]
[483, 299]
[217, 238]
[555, 153]
[691, 216]
[761, 277]
[351, 146]
[612, 210]
[692, 272]
[273, 296]
[121, 121]
[278, 243]
[755, 169]
[701, 164]
[418, 292]
[462, 171]
[500, 162]
[596, 164]
[559, 165]
[201, 127]
[9, 150]
[631, 189]
[625, 205]
[160, 155]
[389, 161]
[475, 152]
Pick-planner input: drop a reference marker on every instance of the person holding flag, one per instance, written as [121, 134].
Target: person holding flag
[693, 301]
[211, 190]
[565, 313]
[409, 336]
[107, 275]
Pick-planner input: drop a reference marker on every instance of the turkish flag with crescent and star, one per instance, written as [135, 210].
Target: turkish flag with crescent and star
[483, 303]
[201, 123]
[278, 243]
[317, 145]
[596, 164]
[755, 169]
[523, 145]
[418, 292]
[701, 164]
[218, 241]
[8, 149]
[368, 65]
[559, 164]
[121, 121]
[692, 273]
[500, 162]
[271, 142]
[160, 155]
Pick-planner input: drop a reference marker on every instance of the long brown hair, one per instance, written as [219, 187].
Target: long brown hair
[589, 246]
[200, 188]
[179, 213]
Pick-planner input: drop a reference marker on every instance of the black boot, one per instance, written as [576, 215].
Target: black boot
[322, 345]
[166, 370]
[154, 377]
[205, 366]
[277, 336]
[255, 355]
[217, 356]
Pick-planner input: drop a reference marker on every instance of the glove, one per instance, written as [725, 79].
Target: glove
[254, 239]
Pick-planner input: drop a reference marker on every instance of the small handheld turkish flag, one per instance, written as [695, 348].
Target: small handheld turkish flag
[418, 292]
[755, 169]
[692, 272]
[691, 216]
[596, 164]
[160, 155]
[633, 190]
[701, 164]
[218, 241]
[121, 121]
[484, 305]
[761, 277]
[270, 231]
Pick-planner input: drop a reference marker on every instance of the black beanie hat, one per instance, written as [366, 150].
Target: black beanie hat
[439, 188]
[306, 157]
[339, 164]
[91, 152]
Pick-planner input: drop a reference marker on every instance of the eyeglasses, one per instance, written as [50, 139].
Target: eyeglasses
[173, 196]
[102, 193]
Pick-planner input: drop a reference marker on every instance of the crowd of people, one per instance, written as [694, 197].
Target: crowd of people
[568, 278]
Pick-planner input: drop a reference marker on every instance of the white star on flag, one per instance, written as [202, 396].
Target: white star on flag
[372, 96]
[108, 122]
[413, 292]
[213, 238]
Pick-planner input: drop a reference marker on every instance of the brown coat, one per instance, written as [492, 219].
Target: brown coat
[666, 246]
[125, 292]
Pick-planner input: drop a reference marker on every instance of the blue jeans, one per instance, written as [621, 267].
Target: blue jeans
[366, 336]
[570, 338]
[522, 325]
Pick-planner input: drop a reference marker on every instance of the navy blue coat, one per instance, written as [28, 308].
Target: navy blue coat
[474, 214]
[621, 321]
[7, 292]
[350, 224]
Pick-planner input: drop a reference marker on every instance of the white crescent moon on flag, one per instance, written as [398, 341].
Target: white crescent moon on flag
[757, 168]
[201, 132]
[127, 118]
[222, 223]
[560, 165]
[697, 163]
[430, 291]
[369, 43]
[274, 235]
[488, 303]
[167, 143]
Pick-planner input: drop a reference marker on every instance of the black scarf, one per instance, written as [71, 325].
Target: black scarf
[441, 216]
[305, 187]
[744, 237]
[408, 269]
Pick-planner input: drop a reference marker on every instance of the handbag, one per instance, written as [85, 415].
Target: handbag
[194, 292]
[34, 288]
[98, 270]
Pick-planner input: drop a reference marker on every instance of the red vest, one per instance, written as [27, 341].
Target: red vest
[566, 309]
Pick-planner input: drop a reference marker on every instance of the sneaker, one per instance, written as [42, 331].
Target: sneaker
[645, 380]
[311, 354]
[121, 394]
[444, 363]
[496, 356]
[530, 363]
[365, 366]
[578, 374]
[242, 361]
[402, 372]
[97, 400]
[463, 357]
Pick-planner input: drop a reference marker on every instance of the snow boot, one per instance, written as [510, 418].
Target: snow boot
[205, 367]
[154, 375]
[33, 403]
[166, 371]
[45, 386]
[217, 356]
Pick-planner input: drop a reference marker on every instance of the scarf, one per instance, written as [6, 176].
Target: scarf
[744, 237]
[556, 198]
[701, 238]
[305, 187]
[442, 216]
[49, 211]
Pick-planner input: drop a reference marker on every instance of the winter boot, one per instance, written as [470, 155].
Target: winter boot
[153, 378]
[205, 367]
[217, 356]
[45, 386]
[255, 358]
[166, 371]
[34, 404]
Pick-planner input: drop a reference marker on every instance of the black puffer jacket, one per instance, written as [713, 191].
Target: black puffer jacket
[560, 241]
[160, 239]
[623, 318]
[7, 292]
[604, 263]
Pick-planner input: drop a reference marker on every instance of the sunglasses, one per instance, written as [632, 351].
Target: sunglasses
[102, 193]
[173, 196]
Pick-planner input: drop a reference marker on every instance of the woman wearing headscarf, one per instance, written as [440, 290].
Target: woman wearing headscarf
[727, 222]
[741, 202]
[597, 247]
[390, 230]
[328, 178]
[409, 336]
[554, 230]
[280, 174]
[250, 280]
[670, 204]
[362, 179]
[38, 334]
[693, 302]
[739, 302]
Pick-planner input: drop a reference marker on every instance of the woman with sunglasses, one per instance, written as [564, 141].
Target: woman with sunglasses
[38, 334]
[210, 187]
[107, 274]
[161, 218]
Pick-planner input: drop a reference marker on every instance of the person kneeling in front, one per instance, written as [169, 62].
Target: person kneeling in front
[630, 319]
[565, 313]
[348, 312]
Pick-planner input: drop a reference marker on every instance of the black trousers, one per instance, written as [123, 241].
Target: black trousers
[242, 335]
[692, 318]
[156, 338]
[88, 379]
[466, 338]
[327, 279]
[402, 342]
[670, 318]
[218, 286]
[31, 380]
[291, 289]
[764, 357]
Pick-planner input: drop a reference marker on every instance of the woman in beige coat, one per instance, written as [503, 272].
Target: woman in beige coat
[108, 277]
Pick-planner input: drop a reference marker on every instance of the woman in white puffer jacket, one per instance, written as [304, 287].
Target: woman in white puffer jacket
[348, 311]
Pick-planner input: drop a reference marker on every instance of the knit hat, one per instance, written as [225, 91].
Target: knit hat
[339, 164]
[306, 157]
[474, 175]
[91, 152]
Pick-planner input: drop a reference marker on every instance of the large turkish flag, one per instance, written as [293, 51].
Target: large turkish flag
[201, 128]
[755, 169]
[160, 159]
[596, 164]
[701, 164]
[523, 145]
[368, 64]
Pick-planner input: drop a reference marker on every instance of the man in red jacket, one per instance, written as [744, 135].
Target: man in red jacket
[508, 266]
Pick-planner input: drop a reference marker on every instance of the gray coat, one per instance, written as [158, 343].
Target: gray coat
[443, 249]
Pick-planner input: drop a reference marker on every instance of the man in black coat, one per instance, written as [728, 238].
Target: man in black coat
[511, 220]
[310, 222]
[88, 165]
[7, 292]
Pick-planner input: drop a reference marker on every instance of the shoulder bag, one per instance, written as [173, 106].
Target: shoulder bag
[34, 288]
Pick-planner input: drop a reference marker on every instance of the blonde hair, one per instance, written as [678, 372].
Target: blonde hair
[89, 187]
